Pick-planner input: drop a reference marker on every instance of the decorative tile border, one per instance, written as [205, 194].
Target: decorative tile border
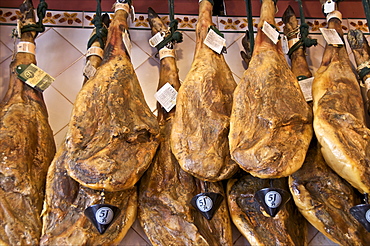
[186, 22]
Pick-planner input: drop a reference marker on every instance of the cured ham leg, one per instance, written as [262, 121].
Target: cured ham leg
[361, 51]
[64, 222]
[165, 189]
[112, 135]
[27, 148]
[288, 227]
[270, 123]
[201, 124]
[299, 65]
[325, 202]
[339, 121]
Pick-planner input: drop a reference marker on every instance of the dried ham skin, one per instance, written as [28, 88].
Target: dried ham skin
[339, 118]
[26, 150]
[199, 138]
[270, 123]
[112, 135]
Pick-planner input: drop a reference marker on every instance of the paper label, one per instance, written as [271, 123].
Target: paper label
[89, 71]
[94, 50]
[270, 32]
[306, 87]
[331, 36]
[166, 96]
[214, 41]
[26, 47]
[132, 14]
[165, 52]
[284, 45]
[36, 77]
[329, 6]
[156, 39]
[127, 41]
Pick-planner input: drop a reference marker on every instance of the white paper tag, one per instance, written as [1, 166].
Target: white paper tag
[306, 87]
[166, 96]
[331, 36]
[89, 71]
[165, 52]
[156, 39]
[284, 45]
[26, 47]
[329, 6]
[215, 41]
[94, 50]
[127, 41]
[270, 32]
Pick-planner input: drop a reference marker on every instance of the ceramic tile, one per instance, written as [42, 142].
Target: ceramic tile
[148, 75]
[315, 24]
[87, 18]
[56, 56]
[60, 136]
[6, 36]
[141, 39]
[69, 82]
[311, 232]
[78, 37]
[236, 233]
[320, 239]
[139, 230]
[4, 77]
[5, 52]
[315, 53]
[133, 239]
[140, 21]
[8, 16]
[59, 109]
[233, 58]
[185, 54]
[63, 18]
[242, 241]
[360, 24]
[232, 23]
[188, 22]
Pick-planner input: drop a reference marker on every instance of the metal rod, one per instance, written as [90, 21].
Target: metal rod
[250, 24]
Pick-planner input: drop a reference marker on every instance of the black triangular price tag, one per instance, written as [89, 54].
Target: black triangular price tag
[102, 215]
[207, 203]
[272, 199]
[362, 214]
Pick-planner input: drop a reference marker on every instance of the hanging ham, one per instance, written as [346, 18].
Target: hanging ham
[339, 119]
[112, 135]
[64, 222]
[271, 123]
[165, 190]
[27, 148]
[201, 124]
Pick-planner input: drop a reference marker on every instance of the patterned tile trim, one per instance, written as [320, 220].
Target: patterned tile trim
[186, 22]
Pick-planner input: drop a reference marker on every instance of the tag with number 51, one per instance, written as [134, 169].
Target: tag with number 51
[272, 199]
[207, 203]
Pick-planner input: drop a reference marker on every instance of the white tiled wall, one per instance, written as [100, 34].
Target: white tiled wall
[60, 52]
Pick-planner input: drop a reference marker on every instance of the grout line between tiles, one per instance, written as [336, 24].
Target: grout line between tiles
[317, 232]
[69, 42]
[140, 235]
[61, 129]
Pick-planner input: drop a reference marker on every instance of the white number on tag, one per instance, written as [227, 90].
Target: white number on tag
[104, 215]
[273, 199]
[270, 32]
[204, 203]
[166, 96]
